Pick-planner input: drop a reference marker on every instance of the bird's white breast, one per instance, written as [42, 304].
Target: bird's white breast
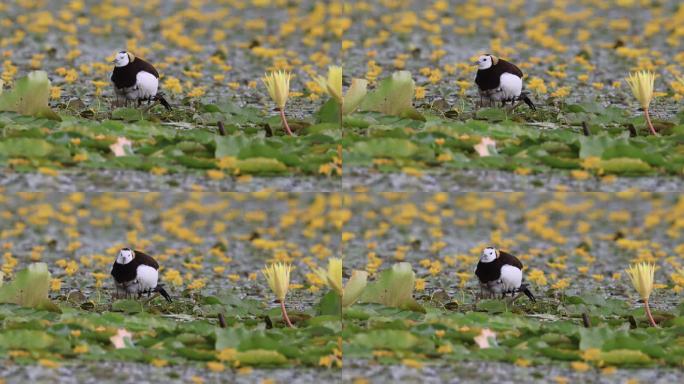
[511, 277]
[147, 277]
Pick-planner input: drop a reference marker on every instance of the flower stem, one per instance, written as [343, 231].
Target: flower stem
[650, 316]
[341, 313]
[648, 120]
[282, 117]
[287, 319]
[341, 117]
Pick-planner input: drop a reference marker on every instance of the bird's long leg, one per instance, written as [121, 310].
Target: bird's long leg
[484, 293]
[515, 297]
[152, 298]
[514, 106]
[156, 102]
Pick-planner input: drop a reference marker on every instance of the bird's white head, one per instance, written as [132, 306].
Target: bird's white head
[125, 256]
[123, 58]
[489, 254]
[486, 61]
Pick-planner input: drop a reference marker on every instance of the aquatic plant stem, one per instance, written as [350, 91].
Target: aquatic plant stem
[341, 312]
[648, 120]
[341, 117]
[287, 319]
[648, 313]
[282, 117]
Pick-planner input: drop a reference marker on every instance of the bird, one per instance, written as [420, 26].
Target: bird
[500, 80]
[135, 272]
[136, 79]
[500, 273]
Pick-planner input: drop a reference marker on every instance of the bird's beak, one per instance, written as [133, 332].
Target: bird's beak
[475, 63]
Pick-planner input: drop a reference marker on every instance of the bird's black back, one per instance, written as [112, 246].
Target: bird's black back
[490, 78]
[487, 272]
[124, 77]
[127, 272]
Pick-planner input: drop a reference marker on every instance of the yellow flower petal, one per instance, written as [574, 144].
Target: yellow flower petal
[641, 84]
[278, 86]
[278, 277]
[642, 278]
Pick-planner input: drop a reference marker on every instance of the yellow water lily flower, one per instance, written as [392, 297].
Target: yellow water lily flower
[278, 277]
[333, 276]
[354, 287]
[642, 278]
[642, 275]
[333, 83]
[333, 87]
[278, 85]
[642, 84]
[355, 95]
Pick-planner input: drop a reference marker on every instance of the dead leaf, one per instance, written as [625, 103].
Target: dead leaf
[122, 147]
[122, 339]
[486, 339]
[487, 147]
